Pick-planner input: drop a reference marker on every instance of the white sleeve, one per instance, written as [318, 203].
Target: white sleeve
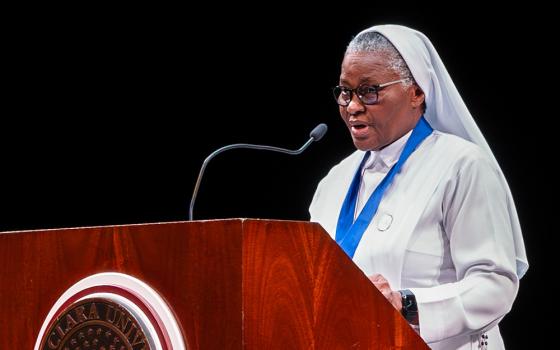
[481, 244]
[315, 206]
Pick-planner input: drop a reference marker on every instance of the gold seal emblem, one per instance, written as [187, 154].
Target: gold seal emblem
[96, 323]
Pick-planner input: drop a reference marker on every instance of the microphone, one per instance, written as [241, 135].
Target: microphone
[315, 135]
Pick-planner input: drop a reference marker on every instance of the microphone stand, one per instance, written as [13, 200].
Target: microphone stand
[316, 134]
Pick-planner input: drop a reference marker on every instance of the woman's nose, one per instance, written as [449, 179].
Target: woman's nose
[355, 105]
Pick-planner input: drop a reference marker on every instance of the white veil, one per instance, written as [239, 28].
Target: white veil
[446, 110]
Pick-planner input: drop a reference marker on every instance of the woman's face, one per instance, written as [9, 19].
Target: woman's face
[396, 112]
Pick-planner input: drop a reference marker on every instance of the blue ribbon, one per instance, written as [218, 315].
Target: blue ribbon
[350, 232]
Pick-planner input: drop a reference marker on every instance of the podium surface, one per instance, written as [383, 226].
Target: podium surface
[229, 284]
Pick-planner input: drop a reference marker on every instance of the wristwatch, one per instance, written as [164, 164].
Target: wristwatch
[409, 307]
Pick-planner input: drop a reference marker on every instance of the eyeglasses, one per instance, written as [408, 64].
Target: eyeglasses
[368, 94]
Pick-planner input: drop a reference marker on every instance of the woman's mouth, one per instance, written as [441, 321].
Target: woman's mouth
[359, 130]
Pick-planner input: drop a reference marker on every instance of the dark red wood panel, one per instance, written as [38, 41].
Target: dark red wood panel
[300, 291]
[196, 267]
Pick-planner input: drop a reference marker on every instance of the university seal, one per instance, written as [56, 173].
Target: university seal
[96, 323]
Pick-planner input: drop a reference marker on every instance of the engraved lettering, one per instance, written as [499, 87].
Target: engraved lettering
[79, 311]
[138, 339]
[121, 322]
[133, 327]
[59, 330]
[107, 318]
[70, 323]
[50, 342]
[93, 312]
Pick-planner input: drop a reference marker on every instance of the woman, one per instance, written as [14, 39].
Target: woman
[422, 206]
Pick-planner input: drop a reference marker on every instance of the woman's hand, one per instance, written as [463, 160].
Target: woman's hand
[382, 284]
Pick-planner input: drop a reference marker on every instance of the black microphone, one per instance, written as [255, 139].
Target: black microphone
[315, 135]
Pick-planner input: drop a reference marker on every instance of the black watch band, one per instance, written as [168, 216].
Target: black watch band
[409, 307]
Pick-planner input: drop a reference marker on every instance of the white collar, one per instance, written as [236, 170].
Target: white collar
[389, 154]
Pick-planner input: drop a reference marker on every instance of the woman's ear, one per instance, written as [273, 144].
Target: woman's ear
[417, 96]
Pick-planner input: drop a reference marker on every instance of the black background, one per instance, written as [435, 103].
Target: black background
[109, 113]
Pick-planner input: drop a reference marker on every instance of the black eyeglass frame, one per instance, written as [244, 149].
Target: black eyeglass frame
[361, 91]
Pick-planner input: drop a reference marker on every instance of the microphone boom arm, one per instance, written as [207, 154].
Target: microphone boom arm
[315, 135]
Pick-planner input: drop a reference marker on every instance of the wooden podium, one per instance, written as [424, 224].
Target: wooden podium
[230, 284]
